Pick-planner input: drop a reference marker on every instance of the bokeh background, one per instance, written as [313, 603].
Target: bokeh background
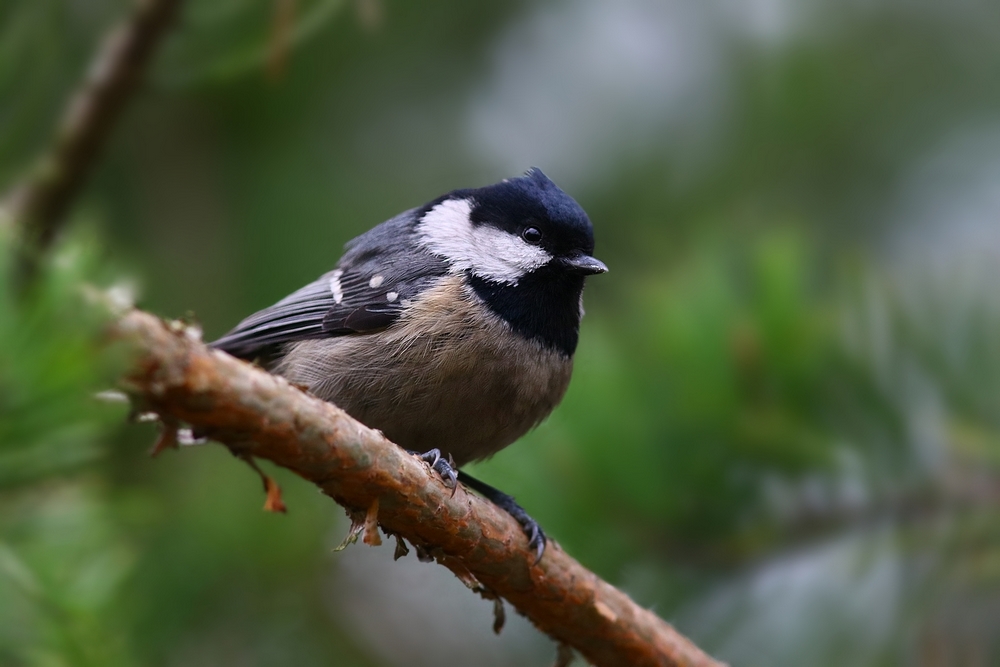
[783, 433]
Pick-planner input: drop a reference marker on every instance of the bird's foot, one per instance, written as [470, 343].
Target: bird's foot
[536, 536]
[442, 466]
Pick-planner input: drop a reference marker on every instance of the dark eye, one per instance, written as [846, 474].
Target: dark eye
[532, 235]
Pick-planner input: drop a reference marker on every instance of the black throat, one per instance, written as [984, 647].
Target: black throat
[544, 305]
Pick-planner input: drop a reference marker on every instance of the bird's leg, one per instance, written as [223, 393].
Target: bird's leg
[440, 465]
[536, 536]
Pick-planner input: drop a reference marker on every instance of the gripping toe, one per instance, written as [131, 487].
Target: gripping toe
[536, 536]
[441, 466]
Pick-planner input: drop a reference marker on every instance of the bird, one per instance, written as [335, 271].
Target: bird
[451, 327]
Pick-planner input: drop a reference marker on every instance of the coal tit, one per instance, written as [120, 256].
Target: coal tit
[451, 327]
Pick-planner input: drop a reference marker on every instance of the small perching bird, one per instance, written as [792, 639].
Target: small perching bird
[451, 327]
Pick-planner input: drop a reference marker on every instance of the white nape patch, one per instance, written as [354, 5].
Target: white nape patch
[376, 281]
[391, 296]
[488, 252]
[338, 291]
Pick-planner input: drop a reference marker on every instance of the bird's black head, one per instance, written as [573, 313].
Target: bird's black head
[533, 208]
[525, 246]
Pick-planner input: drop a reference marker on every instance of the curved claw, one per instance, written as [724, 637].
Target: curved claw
[441, 466]
[448, 474]
[431, 456]
[536, 538]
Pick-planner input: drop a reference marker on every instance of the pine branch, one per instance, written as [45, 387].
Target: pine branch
[38, 205]
[256, 414]
[259, 415]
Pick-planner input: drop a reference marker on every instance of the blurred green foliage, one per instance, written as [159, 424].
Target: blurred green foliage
[53, 362]
[783, 431]
[61, 560]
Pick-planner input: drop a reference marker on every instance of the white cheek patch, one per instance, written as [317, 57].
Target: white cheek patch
[488, 252]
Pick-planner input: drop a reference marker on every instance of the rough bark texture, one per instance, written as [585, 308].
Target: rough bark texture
[257, 414]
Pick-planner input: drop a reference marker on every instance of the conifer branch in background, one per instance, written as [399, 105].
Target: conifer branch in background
[38, 205]
[259, 415]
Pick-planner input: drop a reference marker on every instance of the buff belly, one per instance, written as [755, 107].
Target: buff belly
[449, 375]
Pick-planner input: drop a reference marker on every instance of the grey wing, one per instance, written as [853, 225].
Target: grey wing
[375, 279]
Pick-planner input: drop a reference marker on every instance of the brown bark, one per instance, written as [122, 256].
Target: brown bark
[257, 414]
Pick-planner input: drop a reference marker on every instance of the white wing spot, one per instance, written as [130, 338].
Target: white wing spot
[406, 303]
[338, 291]
[376, 281]
[391, 296]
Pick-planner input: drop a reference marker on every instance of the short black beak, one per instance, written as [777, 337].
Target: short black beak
[585, 264]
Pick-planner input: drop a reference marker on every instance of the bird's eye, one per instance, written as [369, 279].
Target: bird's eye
[532, 235]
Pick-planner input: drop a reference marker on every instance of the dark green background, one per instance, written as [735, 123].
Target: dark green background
[783, 432]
